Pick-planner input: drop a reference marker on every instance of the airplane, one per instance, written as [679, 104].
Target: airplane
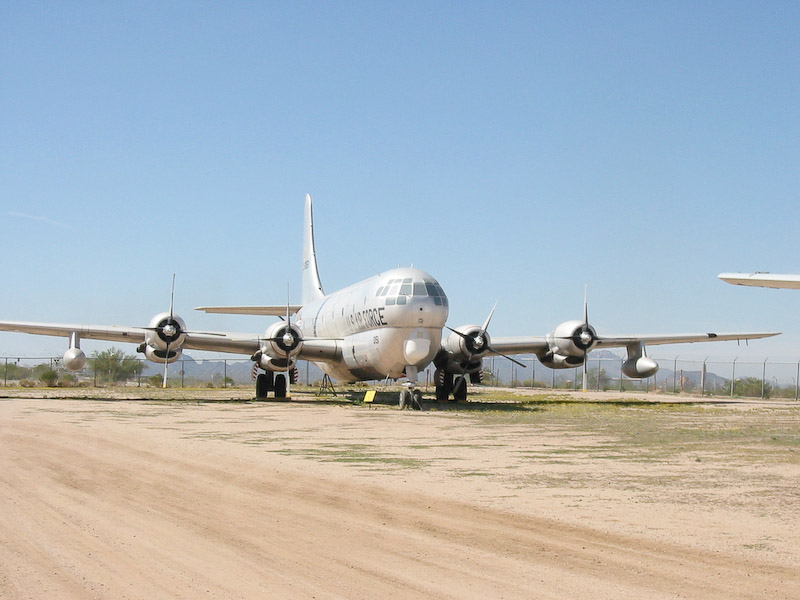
[762, 279]
[390, 326]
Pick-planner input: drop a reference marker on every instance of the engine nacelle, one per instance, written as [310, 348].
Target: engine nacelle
[282, 340]
[472, 342]
[560, 361]
[166, 331]
[74, 359]
[274, 364]
[639, 367]
[157, 355]
[572, 338]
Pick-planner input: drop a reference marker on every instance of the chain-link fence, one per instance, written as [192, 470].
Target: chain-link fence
[762, 379]
[757, 379]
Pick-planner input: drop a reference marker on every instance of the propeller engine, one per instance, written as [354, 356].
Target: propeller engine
[572, 340]
[462, 352]
[465, 347]
[570, 343]
[280, 346]
[165, 336]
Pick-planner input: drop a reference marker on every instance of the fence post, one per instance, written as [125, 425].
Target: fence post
[797, 381]
[703, 379]
[183, 365]
[733, 374]
[763, 378]
[5, 382]
[674, 374]
[225, 373]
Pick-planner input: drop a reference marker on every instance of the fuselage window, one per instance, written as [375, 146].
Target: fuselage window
[419, 289]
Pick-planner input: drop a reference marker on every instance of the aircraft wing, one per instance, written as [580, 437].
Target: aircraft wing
[768, 280]
[536, 344]
[277, 310]
[617, 341]
[235, 343]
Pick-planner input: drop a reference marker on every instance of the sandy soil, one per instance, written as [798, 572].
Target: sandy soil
[314, 499]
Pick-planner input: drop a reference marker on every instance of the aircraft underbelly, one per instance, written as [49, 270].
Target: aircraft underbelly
[385, 352]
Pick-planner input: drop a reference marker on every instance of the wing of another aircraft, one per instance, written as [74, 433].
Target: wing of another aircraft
[768, 280]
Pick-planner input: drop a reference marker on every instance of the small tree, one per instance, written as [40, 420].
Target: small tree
[113, 365]
[49, 377]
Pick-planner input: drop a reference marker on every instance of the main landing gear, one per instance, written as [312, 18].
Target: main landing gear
[447, 384]
[271, 382]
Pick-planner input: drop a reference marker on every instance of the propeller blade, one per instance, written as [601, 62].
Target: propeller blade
[172, 298]
[166, 365]
[506, 356]
[489, 318]
[288, 350]
[586, 304]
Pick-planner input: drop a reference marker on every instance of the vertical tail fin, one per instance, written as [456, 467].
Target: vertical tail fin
[312, 288]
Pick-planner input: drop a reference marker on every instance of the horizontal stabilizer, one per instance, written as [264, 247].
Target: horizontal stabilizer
[768, 280]
[279, 310]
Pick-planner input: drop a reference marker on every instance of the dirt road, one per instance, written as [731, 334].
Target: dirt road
[132, 499]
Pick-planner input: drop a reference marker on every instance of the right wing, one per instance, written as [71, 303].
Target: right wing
[768, 280]
[235, 343]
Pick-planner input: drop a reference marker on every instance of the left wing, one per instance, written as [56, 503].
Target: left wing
[537, 344]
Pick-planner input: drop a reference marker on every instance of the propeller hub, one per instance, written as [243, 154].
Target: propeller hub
[288, 339]
[169, 330]
[586, 337]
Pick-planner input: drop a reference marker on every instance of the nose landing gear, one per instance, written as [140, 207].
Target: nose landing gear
[410, 396]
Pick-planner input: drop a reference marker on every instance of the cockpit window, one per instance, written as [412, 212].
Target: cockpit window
[405, 289]
[419, 289]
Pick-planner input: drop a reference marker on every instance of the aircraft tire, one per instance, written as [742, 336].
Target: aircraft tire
[405, 399]
[262, 386]
[444, 385]
[280, 386]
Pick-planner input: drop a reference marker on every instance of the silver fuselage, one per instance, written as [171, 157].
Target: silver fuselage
[384, 324]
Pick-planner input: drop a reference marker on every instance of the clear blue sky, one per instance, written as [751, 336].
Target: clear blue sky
[514, 150]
